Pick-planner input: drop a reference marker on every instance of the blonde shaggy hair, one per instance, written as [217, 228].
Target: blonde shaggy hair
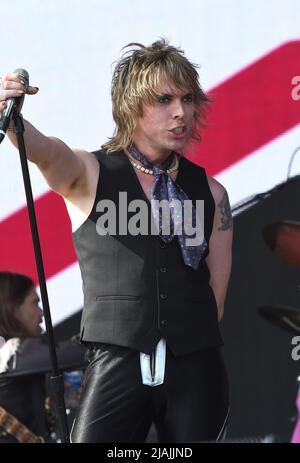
[136, 79]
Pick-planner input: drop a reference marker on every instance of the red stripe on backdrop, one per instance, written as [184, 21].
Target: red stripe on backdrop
[16, 249]
[250, 109]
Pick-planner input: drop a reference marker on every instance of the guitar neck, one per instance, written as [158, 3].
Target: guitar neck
[14, 427]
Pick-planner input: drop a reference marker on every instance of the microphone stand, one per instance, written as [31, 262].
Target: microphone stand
[56, 377]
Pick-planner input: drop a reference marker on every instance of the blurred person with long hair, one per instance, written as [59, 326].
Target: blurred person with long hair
[24, 357]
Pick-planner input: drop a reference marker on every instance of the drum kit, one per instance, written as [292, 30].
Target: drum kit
[283, 238]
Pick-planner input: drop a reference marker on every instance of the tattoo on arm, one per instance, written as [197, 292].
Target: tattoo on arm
[226, 216]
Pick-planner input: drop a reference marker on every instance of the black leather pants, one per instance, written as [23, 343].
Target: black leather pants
[191, 405]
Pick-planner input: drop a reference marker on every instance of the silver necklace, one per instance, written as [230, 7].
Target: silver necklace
[150, 171]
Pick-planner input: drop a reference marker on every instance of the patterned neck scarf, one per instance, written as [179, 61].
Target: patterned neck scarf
[166, 190]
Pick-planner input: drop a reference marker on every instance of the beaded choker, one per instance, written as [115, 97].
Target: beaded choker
[150, 171]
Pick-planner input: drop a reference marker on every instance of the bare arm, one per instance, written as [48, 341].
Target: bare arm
[62, 167]
[220, 244]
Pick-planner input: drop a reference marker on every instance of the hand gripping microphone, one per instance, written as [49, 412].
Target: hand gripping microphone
[12, 103]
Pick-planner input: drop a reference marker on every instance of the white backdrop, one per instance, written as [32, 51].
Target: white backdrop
[68, 48]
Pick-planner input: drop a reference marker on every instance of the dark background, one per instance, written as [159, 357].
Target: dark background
[261, 370]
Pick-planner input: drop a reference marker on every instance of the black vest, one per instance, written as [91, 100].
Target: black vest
[137, 289]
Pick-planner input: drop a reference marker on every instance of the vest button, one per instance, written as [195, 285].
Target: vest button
[163, 269]
[164, 322]
[162, 245]
[163, 296]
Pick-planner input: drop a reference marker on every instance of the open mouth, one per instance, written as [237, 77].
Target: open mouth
[178, 130]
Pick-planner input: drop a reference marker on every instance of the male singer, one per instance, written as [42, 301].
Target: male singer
[152, 301]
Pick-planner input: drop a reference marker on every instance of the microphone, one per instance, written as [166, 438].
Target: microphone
[12, 104]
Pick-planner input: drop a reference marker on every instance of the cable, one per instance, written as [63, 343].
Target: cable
[291, 162]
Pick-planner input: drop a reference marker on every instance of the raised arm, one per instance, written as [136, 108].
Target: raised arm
[62, 167]
[220, 244]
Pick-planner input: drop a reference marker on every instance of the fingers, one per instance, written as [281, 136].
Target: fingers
[32, 90]
[11, 76]
[12, 88]
[11, 85]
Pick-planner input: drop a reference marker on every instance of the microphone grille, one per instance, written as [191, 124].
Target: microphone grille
[23, 75]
